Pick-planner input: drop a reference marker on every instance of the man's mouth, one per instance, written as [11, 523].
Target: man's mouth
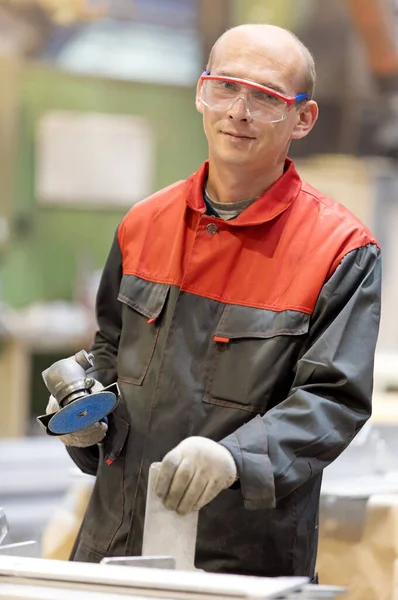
[242, 136]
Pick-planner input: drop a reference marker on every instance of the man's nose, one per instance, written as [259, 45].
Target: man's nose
[238, 109]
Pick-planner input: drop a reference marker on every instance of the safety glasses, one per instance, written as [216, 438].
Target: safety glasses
[262, 103]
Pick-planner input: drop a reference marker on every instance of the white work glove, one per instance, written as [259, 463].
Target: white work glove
[85, 437]
[193, 474]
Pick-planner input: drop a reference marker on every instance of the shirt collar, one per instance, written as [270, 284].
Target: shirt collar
[275, 200]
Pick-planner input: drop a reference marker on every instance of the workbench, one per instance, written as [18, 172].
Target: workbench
[39, 579]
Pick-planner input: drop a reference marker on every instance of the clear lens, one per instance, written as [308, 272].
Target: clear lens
[262, 106]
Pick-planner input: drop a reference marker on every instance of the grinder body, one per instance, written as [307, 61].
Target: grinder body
[79, 405]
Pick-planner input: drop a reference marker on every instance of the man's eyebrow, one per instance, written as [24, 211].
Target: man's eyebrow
[271, 86]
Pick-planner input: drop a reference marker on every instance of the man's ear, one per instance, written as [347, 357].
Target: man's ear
[198, 102]
[307, 116]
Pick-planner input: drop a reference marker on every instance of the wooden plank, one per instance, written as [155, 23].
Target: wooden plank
[14, 388]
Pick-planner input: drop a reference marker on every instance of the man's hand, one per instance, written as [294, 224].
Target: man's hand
[85, 437]
[194, 473]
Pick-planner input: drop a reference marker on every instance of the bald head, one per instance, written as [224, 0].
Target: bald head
[266, 40]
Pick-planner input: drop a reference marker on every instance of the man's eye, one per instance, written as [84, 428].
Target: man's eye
[228, 85]
[268, 98]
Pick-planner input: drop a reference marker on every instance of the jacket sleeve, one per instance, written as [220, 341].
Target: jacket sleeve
[109, 319]
[330, 399]
[106, 342]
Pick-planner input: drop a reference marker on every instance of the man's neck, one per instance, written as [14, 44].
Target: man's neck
[231, 184]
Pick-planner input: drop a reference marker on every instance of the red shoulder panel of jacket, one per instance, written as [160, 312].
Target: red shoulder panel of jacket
[277, 254]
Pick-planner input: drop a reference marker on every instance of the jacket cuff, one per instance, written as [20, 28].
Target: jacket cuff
[249, 448]
[85, 458]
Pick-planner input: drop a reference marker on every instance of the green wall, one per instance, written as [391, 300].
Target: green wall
[285, 13]
[40, 264]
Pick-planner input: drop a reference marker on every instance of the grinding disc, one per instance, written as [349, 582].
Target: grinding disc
[82, 413]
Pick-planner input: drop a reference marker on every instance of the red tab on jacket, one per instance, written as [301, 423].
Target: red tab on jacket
[221, 340]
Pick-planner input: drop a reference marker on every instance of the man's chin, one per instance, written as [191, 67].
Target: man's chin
[234, 158]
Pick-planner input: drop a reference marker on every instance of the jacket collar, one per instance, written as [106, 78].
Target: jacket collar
[272, 203]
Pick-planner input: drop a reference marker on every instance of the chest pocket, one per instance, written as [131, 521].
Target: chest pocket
[143, 302]
[252, 357]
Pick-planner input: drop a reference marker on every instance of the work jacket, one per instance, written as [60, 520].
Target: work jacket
[258, 333]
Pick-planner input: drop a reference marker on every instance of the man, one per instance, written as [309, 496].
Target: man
[238, 311]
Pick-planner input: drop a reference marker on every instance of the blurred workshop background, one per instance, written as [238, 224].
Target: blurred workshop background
[96, 112]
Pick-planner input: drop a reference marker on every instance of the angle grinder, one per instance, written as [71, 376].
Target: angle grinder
[80, 406]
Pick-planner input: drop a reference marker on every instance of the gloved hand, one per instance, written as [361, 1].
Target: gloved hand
[85, 437]
[194, 473]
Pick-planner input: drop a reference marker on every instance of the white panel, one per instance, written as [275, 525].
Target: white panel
[93, 159]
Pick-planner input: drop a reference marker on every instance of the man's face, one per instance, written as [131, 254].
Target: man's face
[233, 136]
